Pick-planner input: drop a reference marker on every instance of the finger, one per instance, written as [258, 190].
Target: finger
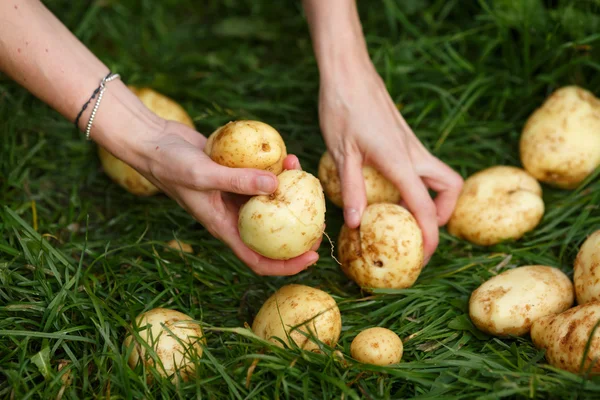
[291, 162]
[245, 181]
[354, 194]
[448, 185]
[269, 267]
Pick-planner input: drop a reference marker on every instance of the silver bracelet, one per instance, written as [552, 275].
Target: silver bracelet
[100, 91]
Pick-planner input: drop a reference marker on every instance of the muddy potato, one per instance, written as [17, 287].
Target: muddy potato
[173, 355]
[565, 337]
[496, 204]
[377, 187]
[509, 303]
[378, 346]
[121, 173]
[312, 312]
[587, 270]
[560, 143]
[385, 251]
[247, 144]
[287, 223]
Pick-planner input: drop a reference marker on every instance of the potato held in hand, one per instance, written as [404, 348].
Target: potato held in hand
[121, 173]
[509, 303]
[560, 143]
[496, 204]
[312, 312]
[385, 251]
[565, 337]
[174, 349]
[587, 270]
[247, 144]
[287, 223]
[377, 187]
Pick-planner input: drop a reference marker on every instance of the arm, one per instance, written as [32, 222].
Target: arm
[355, 107]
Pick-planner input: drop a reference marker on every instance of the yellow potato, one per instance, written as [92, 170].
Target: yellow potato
[565, 337]
[180, 246]
[587, 270]
[496, 204]
[121, 173]
[560, 143]
[378, 346]
[509, 303]
[377, 187]
[287, 223]
[385, 251]
[247, 144]
[302, 313]
[174, 349]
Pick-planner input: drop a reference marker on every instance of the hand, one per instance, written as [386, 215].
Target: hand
[174, 162]
[362, 126]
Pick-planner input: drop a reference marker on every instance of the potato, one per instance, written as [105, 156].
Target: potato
[385, 251]
[378, 346]
[180, 246]
[299, 313]
[121, 173]
[587, 270]
[509, 303]
[560, 143]
[565, 337]
[288, 222]
[377, 187]
[247, 144]
[175, 349]
[497, 204]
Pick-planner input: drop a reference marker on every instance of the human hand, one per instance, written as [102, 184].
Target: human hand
[362, 126]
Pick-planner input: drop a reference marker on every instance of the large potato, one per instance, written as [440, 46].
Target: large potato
[565, 337]
[497, 204]
[288, 222]
[174, 338]
[385, 251]
[587, 270]
[560, 143]
[377, 346]
[509, 303]
[121, 173]
[299, 313]
[247, 144]
[377, 187]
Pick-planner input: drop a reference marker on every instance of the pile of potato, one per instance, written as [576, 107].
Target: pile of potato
[560, 146]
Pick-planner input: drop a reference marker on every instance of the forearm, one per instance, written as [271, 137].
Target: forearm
[40, 53]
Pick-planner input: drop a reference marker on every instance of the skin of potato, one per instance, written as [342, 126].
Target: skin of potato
[587, 270]
[509, 303]
[287, 223]
[385, 251]
[378, 346]
[497, 204]
[247, 144]
[566, 335]
[560, 143]
[304, 308]
[174, 356]
[121, 173]
[378, 188]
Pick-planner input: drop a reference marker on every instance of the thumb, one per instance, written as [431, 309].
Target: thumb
[245, 181]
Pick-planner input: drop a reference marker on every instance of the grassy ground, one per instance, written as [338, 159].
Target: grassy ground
[76, 268]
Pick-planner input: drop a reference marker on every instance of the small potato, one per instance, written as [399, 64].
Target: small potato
[509, 303]
[377, 187]
[385, 251]
[560, 143]
[378, 346]
[565, 337]
[180, 246]
[303, 313]
[587, 270]
[174, 348]
[496, 204]
[288, 222]
[247, 144]
[121, 173]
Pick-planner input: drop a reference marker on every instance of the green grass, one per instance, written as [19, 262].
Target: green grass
[467, 74]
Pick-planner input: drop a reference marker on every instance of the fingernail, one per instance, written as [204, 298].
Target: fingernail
[266, 184]
[351, 217]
